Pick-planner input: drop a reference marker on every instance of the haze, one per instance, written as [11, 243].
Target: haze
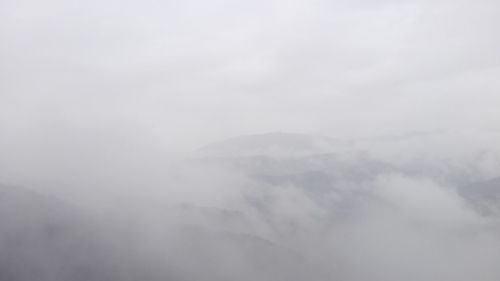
[249, 140]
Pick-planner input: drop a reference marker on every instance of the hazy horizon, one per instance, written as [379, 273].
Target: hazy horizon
[185, 73]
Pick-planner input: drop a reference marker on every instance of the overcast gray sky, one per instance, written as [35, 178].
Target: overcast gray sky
[183, 73]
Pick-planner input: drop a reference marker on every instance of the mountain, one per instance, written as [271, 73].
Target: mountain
[439, 156]
[336, 175]
[47, 239]
[44, 238]
[298, 207]
[272, 144]
[483, 195]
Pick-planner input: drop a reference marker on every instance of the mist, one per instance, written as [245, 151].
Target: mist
[249, 140]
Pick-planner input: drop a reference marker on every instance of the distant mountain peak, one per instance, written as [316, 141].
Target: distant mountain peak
[272, 144]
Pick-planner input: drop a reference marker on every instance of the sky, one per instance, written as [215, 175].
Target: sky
[180, 74]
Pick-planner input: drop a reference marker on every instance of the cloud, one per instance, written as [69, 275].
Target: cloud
[226, 69]
[100, 100]
[422, 199]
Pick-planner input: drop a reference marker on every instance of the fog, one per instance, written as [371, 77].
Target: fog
[249, 140]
